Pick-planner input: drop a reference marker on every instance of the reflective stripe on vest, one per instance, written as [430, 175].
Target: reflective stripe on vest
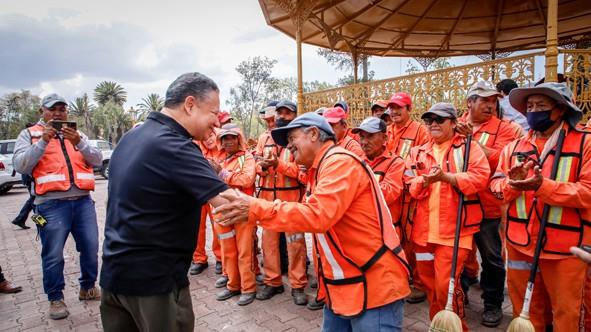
[458, 155]
[484, 138]
[563, 175]
[405, 149]
[51, 178]
[337, 270]
[227, 235]
[521, 207]
[293, 237]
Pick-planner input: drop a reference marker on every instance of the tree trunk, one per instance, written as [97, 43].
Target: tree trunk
[364, 68]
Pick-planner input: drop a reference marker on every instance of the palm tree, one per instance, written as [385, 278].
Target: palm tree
[152, 103]
[82, 108]
[110, 91]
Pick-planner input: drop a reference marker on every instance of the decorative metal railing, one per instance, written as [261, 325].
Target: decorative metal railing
[452, 84]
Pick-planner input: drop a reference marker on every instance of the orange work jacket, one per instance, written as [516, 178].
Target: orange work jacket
[359, 260]
[239, 171]
[420, 161]
[61, 166]
[388, 170]
[569, 195]
[352, 145]
[401, 140]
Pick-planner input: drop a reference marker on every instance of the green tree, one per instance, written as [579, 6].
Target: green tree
[112, 121]
[152, 103]
[16, 110]
[109, 91]
[344, 61]
[411, 68]
[82, 109]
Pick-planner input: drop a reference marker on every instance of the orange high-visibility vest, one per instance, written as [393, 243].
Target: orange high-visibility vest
[342, 282]
[235, 163]
[275, 181]
[565, 226]
[60, 167]
[380, 169]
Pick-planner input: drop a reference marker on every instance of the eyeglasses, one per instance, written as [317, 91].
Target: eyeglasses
[438, 119]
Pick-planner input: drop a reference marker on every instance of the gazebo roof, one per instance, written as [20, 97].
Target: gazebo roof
[427, 28]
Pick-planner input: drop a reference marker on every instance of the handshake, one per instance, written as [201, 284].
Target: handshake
[231, 207]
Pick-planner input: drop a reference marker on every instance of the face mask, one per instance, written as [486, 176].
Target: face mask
[540, 121]
[279, 122]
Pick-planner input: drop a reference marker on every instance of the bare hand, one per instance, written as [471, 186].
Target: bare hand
[520, 170]
[71, 135]
[216, 166]
[236, 210]
[49, 132]
[271, 162]
[530, 184]
[582, 254]
[464, 128]
[436, 174]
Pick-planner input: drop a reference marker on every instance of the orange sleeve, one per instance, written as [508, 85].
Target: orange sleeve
[476, 178]
[423, 136]
[498, 183]
[570, 194]
[290, 169]
[391, 185]
[506, 135]
[334, 193]
[242, 177]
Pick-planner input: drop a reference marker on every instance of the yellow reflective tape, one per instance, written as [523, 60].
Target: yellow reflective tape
[406, 145]
[458, 159]
[520, 206]
[377, 176]
[286, 156]
[241, 161]
[484, 138]
[563, 175]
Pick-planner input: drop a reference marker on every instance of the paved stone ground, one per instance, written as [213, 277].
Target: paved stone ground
[27, 310]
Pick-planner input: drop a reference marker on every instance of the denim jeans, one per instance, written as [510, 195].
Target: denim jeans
[492, 277]
[64, 217]
[383, 319]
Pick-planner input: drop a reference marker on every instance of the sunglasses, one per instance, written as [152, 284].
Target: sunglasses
[438, 119]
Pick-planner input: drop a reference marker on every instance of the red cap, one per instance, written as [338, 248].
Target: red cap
[334, 114]
[401, 99]
[224, 116]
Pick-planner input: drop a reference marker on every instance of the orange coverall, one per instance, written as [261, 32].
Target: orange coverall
[352, 145]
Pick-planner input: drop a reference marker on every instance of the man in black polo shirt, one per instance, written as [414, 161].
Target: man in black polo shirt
[158, 182]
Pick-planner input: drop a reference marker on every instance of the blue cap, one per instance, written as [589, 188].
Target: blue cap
[342, 104]
[371, 125]
[309, 119]
[290, 105]
[52, 99]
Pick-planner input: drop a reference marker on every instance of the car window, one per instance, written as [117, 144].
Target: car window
[9, 148]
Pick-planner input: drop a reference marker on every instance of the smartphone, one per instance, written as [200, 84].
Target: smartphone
[58, 125]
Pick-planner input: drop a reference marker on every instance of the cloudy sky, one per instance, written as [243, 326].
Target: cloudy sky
[68, 46]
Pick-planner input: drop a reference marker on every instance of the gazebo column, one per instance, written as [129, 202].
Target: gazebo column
[299, 60]
[552, 42]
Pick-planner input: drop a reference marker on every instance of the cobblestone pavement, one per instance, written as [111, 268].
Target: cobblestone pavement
[27, 310]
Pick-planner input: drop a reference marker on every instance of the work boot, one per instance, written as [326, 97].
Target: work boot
[260, 279]
[299, 297]
[221, 282]
[268, 292]
[492, 316]
[246, 298]
[226, 294]
[218, 267]
[93, 293]
[416, 296]
[313, 283]
[197, 268]
[58, 310]
[313, 304]
[7, 288]
[20, 224]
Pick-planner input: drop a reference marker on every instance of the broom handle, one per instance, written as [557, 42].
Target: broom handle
[542, 233]
[452, 279]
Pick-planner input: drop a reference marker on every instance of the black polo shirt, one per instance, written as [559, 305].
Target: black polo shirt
[158, 181]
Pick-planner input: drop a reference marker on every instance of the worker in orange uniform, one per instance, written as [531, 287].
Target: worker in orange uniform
[436, 179]
[403, 134]
[345, 107]
[523, 180]
[279, 180]
[211, 151]
[238, 170]
[378, 108]
[361, 266]
[337, 118]
[492, 135]
[388, 168]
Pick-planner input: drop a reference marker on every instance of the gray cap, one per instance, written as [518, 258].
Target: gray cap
[309, 119]
[444, 110]
[371, 125]
[320, 110]
[52, 99]
[483, 89]
[290, 105]
[560, 92]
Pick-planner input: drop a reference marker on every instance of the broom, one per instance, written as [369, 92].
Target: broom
[447, 320]
[522, 322]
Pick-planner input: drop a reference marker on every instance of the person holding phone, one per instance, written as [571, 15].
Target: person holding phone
[60, 163]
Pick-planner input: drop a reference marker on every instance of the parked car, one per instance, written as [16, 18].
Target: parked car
[8, 176]
[106, 149]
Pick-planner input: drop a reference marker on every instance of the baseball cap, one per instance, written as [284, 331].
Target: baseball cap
[309, 119]
[483, 89]
[334, 114]
[320, 110]
[444, 110]
[229, 129]
[269, 110]
[371, 125]
[290, 105]
[342, 104]
[224, 116]
[560, 92]
[52, 99]
[379, 103]
[401, 99]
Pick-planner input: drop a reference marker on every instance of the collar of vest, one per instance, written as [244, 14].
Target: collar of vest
[456, 140]
[384, 156]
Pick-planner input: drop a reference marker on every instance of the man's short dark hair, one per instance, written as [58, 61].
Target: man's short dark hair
[189, 84]
[506, 86]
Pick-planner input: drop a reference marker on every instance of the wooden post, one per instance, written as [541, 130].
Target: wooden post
[552, 42]
[299, 56]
